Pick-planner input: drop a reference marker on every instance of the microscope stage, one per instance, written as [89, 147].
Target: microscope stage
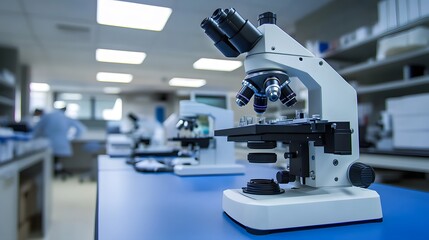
[304, 207]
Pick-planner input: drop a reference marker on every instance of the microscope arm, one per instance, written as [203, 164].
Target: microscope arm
[329, 95]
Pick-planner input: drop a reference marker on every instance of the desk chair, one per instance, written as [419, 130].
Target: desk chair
[94, 148]
[59, 170]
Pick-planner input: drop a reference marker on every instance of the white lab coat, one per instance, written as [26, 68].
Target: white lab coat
[55, 126]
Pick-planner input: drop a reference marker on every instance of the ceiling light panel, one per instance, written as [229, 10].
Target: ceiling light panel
[132, 15]
[217, 64]
[187, 82]
[117, 56]
[114, 77]
[39, 87]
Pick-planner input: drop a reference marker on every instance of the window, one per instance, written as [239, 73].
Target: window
[89, 106]
[108, 108]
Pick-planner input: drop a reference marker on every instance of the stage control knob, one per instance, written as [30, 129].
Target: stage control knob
[361, 175]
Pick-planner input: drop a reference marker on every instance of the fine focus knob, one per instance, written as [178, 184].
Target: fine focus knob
[284, 177]
[361, 175]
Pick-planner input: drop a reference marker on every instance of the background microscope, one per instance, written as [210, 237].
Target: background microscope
[138, 137]
[330, 187]
[203, 154]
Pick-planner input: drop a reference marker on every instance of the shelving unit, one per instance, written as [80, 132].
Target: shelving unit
[376, 80]
[9, 61]
[360, 51]
[386, 69]
[394, 86]
[6, 101]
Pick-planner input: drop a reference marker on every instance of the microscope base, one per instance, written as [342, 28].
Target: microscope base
[211, 169]
[304, 207]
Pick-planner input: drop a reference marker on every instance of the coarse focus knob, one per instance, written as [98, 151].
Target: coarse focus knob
[361, 175]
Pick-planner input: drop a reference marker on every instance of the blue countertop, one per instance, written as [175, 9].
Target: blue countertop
[132, 205]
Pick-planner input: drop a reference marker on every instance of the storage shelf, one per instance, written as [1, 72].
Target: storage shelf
[6, 101]
[386, 69]
[365, 49]
[3, 83]
[394, 85]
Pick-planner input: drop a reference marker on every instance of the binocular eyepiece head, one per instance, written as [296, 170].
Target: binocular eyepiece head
[230, 32]
[233, 35]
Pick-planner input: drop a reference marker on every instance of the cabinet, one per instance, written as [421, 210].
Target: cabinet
[8, 203]
[36, 168]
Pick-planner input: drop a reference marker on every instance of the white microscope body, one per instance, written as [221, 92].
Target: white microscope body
[323, 194]
[218, 158]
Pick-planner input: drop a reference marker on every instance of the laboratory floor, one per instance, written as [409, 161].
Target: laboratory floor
[73, 209]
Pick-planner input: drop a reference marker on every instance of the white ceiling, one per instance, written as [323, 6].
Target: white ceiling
[66, 59]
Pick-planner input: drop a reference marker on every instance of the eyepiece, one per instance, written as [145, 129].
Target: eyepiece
[211, 29]
[244, 95]
[219, 15]
[229, 21]
[272, 89]
[287, 96]
[219, 38]
[242, 34]
[260, 103]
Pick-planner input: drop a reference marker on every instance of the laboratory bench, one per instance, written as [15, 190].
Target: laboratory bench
[133, 205]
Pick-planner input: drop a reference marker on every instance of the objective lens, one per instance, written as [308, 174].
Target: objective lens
[272, 89]
[244, 95]
[260, 104]
[287, 96]
[179, 124]
[186, 125]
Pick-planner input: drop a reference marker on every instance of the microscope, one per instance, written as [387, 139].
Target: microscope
[204, 155]
[329, 185]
